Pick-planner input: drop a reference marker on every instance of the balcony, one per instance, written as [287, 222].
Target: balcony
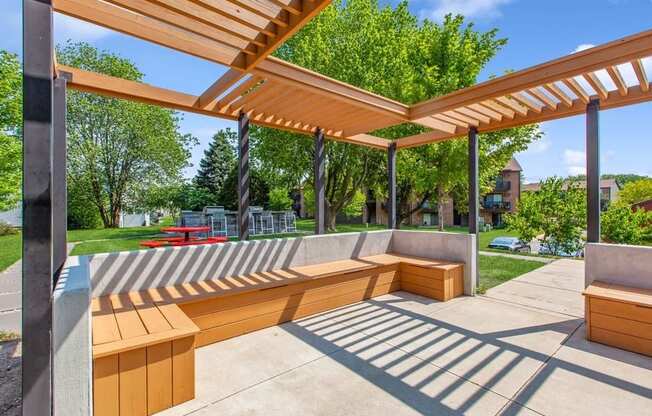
[496, 206]
[502, 186]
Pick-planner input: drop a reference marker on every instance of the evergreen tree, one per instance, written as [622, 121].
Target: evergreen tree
[218, 162]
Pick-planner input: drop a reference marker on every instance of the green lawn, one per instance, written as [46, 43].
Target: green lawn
[10, 250]
[495, 270]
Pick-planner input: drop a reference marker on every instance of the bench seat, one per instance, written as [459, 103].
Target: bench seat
[619, 316]
[143, 342]
[143, 356]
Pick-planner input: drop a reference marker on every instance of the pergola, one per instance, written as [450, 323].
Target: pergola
[260, 89]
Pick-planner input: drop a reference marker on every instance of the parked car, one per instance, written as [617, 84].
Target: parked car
[548, 250]
[510, 243]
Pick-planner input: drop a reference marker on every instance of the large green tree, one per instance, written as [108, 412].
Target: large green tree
[390, 52]
[117, 149]
[10, 126]
[218, 161]
[636, 191]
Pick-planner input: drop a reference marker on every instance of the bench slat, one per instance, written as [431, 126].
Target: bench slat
[105, 327]
[152, 318]
[128, 320]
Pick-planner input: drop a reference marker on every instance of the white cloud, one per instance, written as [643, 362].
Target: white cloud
[539, 146]
[574, 157]
[576, 170]
[582, 47]
[437, 9]
[574, 161]
[66, 27]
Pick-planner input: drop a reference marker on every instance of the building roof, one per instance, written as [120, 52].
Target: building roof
[513, 166]
[604, 183]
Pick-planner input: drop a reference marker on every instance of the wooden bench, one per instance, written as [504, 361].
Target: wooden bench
[166, 324]
[619, 316]
[143, 356]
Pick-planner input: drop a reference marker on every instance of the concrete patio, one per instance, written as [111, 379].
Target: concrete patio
[520, 349]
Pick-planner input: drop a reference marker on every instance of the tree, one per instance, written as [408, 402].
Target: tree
[621, 224]
[636, 191]
[554, 214]
[258, 190]
[279, 200]
[218, 161]
[387, 51]
[117, 149]
[10, 126]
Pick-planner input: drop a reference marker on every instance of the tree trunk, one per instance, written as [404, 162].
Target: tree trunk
[440, 207]
[331, 218]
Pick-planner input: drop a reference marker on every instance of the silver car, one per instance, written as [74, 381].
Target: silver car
[510, 244]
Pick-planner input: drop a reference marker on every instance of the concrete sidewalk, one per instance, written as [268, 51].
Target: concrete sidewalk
[519, 350]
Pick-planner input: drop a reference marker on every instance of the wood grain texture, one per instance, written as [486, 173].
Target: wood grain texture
[159, 377]
[183, 370]
[106, 386]
[133, 382]
[622, 341]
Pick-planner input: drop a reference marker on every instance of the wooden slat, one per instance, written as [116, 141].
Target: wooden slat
[185, 22]
[152, 318]
[613, 53]
[577, 89]
[104, 350]
[499, 108]
[508, 102]
[427, 291]
[129, 322]
[183, 370]
[242, 327]
[541, 96]
[159, 377]
[295, 22]
[133, 382]
[486, 111]
[640, 74]
[235, 93]
[216, 89]
[436, 124]
[457, 116]
[625, 326]
[597, 85]
[152, 30]
[293, 6]
[238, 14]
[105, 327]
[106, 386]
[617, 78]
[264, 9]
[553, 89]
[627, 342]
[527, 101]
[423, 138]
[473, 114]
[445, 118]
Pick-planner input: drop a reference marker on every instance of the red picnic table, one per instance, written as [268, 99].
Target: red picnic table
[186, 240]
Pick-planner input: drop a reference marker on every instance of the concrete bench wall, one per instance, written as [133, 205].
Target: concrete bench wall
[618, 264]
[85, 277]
[146, 269]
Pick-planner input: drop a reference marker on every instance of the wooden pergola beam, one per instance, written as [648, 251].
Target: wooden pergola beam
[635, 95]
[613, 53]
[140, 92]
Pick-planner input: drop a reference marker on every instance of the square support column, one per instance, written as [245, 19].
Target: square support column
[59, 167]
[593, 171]
[474, 190]
[391, 183]
[243, 177]
[320, 191]
[38, 270]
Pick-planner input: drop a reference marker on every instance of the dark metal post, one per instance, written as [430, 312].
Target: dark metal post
[59, 188]
[391, 182]
[474, 189]
[243, 176]
[320, 172]
[37, 207]
[593, 171]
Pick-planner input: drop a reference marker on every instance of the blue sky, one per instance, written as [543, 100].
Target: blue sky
[537, 31]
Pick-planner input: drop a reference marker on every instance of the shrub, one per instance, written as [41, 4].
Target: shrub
[621, 224]
[279, 200]
[7, 229]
